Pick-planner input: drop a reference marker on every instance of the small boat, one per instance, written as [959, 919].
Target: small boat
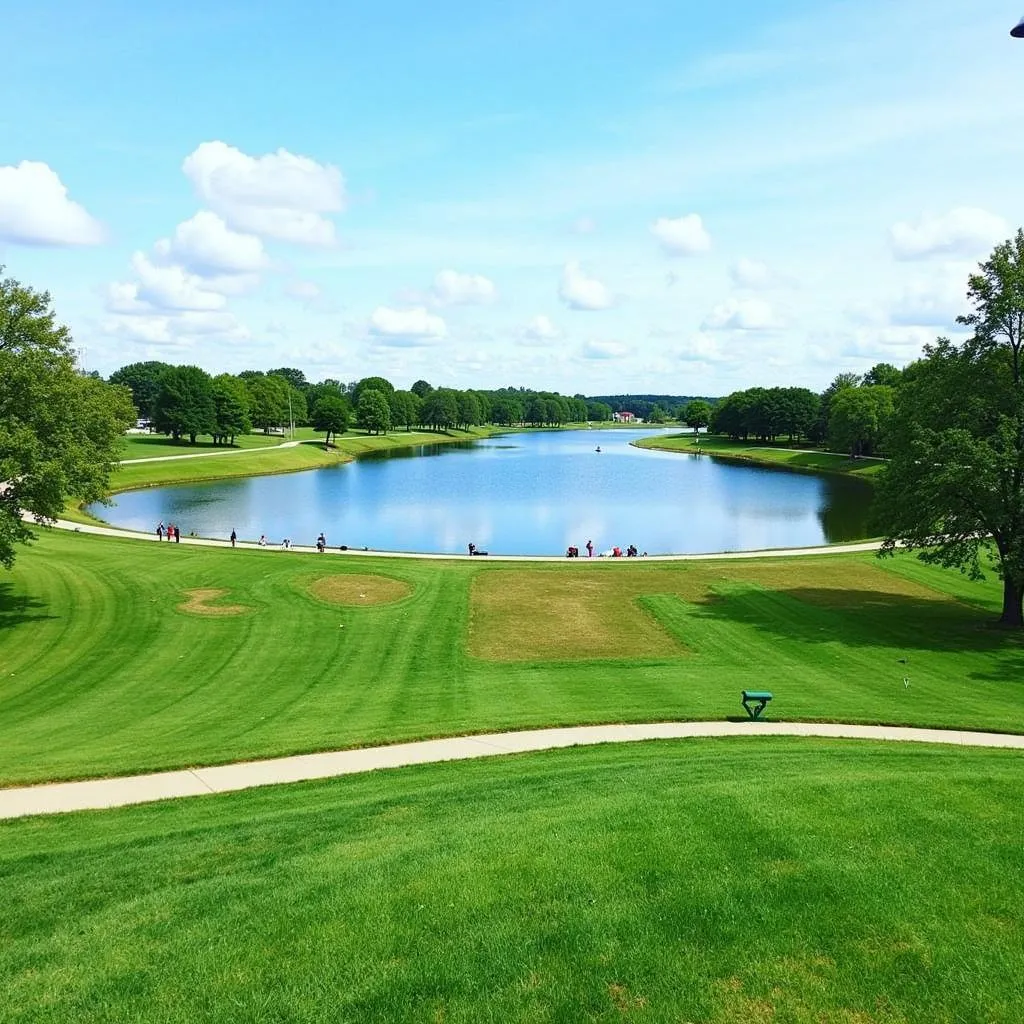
[598, 448]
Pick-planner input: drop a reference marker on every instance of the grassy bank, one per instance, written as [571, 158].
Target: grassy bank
[715, 881]
[809, 460]
[261, 459]
[110, 667]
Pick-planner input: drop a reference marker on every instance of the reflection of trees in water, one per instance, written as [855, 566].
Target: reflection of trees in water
[416, 451]
[845, 512]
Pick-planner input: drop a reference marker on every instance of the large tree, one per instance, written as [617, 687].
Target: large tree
[230, 408]
[373, 412]
[184, 403]
[860, 419]
[60, 430]
[697, 414]
[143, 380]
[954, 485]
[330, 414]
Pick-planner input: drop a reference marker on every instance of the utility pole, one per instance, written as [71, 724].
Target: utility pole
[291, 422]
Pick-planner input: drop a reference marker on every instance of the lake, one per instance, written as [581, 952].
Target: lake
[532, 493]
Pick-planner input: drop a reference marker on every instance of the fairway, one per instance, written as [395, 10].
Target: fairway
[727, 882]
[104, 673]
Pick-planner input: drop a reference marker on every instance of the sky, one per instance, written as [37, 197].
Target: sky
[597, 197]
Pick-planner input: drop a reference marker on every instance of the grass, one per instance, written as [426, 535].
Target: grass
[263, 458]
[102, 673]
[726, 882]
[780, 454]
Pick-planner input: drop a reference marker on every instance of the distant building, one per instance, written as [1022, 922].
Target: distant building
[624, 417]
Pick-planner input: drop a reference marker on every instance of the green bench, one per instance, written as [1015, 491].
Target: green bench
[755, 701]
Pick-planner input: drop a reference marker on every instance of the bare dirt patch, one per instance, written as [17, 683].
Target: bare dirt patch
[583, 612]
[359, 590]
[199, 602]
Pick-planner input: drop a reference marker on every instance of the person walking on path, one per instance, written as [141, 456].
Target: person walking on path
[590, 549]
[321, 543]
[234, 537]
[160, 530]
[170, 532]
[177, 534]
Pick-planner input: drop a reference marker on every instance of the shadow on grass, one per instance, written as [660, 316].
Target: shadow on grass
[16, 609]
[863, 618]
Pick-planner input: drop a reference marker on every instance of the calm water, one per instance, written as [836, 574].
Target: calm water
[533, 493]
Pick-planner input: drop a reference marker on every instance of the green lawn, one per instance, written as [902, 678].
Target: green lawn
[153, 446]
[726, 882]
[259, 461]
[102, 673]
[779, 454]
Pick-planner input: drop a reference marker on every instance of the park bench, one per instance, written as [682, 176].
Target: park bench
[755, 701]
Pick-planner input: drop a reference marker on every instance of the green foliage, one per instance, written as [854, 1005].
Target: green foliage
[268, 400]
[184, 403]
[60, 430]
[331, 415]
[599, 412]
[697, 414]
[440, 409]
[766, 413]
[385, 387]
[230, 409]
[470, 413]
[373, 413]
[295, 378]
[421, 389]
[143, 380]
[860, 418]
[884, 373]
[954, 486]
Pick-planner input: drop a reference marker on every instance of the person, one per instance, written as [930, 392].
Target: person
[286, 543]
[631, 551]
[234, 537]
[177, 534]
[160, 530]
[616, 552]
[170, 532]
[321, 543]
[590, 549]
[472, 548]
[263, 540]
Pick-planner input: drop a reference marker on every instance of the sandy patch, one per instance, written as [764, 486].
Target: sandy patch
[358, 590]
[198, 602]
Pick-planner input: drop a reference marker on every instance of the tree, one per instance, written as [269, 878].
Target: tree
[860, 418]
[60, 430]
[697, 414]
[954, 484]
[398, 403]
[143, 380]
[421, 389]
[469, 409]
[330, 415]
[296, 378]
[385, 387]
[440, 409]
[373, 412]
[230, 408]
[268, 400]
[819, 431]
[884, 373]
[184, 403]
[656, 414]
[600, 412]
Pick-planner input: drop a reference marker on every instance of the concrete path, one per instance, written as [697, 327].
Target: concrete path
[95, 794]
[109, 531]
[214, 454]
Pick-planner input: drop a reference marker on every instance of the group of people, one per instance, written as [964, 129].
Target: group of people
[170, 531]
[616, 552]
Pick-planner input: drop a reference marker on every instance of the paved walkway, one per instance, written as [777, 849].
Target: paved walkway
[94, 794]
[214, 454]
[109, 531]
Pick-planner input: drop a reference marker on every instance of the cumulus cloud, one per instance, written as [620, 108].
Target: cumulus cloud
[406, 326]
[162, 288]
[279, 195]
[886, 344]
[747, 273]
[964, 231]
[682, 236]
[179, 330]
[700, 348]
[744, 314]
[606, 350]
[35, 209]
[206, 246]
[935, 301]
[539, 331]
[454, 289]
[579, 291]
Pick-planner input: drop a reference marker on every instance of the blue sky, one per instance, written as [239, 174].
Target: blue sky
[588, 196]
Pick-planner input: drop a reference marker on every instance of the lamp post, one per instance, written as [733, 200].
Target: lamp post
[1018, 30]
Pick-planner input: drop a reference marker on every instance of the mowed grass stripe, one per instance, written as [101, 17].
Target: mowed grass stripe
[720, 881]
[111, 677]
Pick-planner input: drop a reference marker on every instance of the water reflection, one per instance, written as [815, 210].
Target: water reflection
[534, 493]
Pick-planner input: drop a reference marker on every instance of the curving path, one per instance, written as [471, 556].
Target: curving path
[95, 794]
[216, 454]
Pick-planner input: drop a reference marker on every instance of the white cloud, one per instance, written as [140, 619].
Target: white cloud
[35, 209]
[886, 344]
[408, 326]
[539, 331]
[279, 195]
[303, 291]
[700, 348]
[454, 289]
[934, 301]
[578, 291]
[605, 350]
[206, 246]
[743, 314]
[181, 329]
[683, 236]
[964, 231]
[747, 273]
[170, 288]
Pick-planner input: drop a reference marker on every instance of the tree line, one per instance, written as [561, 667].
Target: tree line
[853, 414]
[187, 402]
